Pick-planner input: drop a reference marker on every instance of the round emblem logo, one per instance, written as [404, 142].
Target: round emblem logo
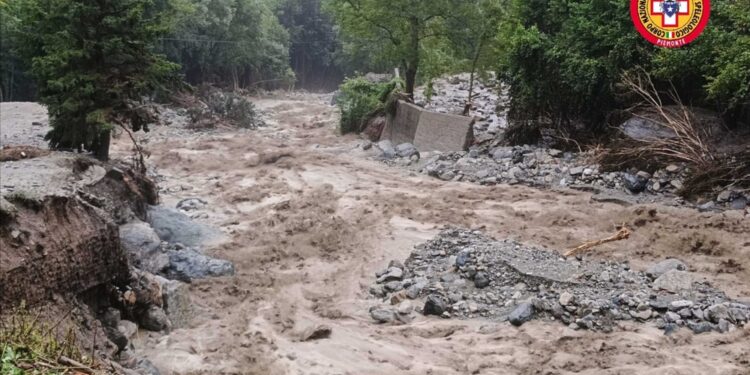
[670, 23]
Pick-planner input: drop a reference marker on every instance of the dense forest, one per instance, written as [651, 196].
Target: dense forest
[562, 61]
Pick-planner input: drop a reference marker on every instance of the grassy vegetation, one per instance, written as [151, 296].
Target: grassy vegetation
[28, 345]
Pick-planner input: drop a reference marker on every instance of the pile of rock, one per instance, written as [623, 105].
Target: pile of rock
[450, 95]
[551, 168]
[463, 274]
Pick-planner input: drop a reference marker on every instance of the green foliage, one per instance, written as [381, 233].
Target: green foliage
[392, 31]
[15, 85]
[93, 64]
[27, 342]
[227, 107]
[314, 45]
[564, 59]
[236, 43]
[360, 100]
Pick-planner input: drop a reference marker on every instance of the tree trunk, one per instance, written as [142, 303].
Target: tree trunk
[412, 61]
[477, 53]
[101, 148]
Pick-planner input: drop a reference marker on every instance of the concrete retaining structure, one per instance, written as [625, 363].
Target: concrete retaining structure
[429, 131]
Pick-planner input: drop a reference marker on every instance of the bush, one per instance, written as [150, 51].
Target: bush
[360, 100]
[218, 107]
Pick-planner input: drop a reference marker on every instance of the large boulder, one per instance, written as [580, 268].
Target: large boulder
[143, 246]
[188, 264]
[642, 129]
[175, 227]
[177, 303]
[154, 319]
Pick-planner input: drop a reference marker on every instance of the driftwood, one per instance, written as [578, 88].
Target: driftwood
[623, 234]
[75, 365]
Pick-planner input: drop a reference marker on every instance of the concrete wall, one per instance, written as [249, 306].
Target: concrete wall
[402, 127]
[429, 131]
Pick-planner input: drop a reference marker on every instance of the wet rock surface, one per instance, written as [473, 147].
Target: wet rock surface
[526, 283]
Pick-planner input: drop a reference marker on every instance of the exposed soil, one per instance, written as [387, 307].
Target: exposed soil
[311, 218]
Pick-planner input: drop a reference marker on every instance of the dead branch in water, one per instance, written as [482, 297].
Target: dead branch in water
[623, 234]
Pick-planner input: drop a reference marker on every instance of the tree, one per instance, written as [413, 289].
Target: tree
[472, 30]
[313, 43]
[236, 43]
[15, 85]
[93, 63]
[399, 27]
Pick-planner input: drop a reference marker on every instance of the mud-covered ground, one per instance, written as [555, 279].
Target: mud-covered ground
[311, 218]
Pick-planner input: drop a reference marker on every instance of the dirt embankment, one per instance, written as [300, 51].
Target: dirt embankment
[65, 241]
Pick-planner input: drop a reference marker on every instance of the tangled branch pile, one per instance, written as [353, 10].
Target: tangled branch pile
[683, 139]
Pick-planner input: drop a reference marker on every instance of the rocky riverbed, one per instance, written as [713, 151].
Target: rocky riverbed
[465, 274]
[489, 162]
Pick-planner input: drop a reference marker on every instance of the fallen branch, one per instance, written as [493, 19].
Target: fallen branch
[78, 366]
[623, 234]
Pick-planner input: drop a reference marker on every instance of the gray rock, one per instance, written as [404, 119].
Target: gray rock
[665, 266]
[462, 259]
[566, 299]
[188, 264]
[414, 291]
[717, 312]
[128, 328]
[641, 129]
[481, 280]
[724, 196]
[502, 153]
[672, 168]
[576, 171]
[177, 303]
[406, 150]
[111, 317]
[738, 204]
[672, 317]
[435, 305]
[674, 281]
[175, 227]
[378, 291]
[142, 244]
[680, 304]
[635, 183]
[145, 367]
[642, 314]
[522, 314]
[724, 326]
[154, 319]
[386, 146]
[381, 315]
[700, 327]
[392, 274]
[677, 184]
[394, 286]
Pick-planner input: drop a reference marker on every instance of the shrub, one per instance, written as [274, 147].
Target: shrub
[218, 106]
[360, 100]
